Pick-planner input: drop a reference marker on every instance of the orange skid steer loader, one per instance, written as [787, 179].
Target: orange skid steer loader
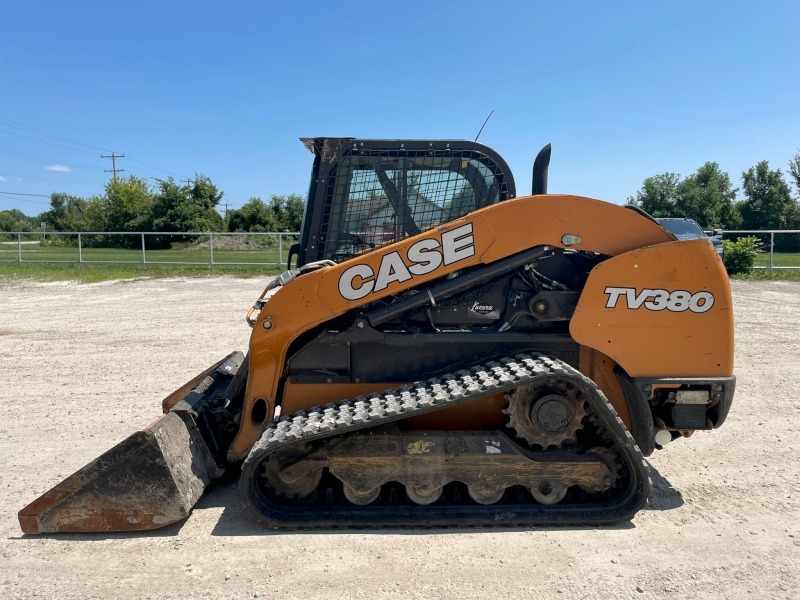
[440, 352]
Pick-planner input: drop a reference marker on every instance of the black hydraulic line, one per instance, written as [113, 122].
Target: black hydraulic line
[453, 286]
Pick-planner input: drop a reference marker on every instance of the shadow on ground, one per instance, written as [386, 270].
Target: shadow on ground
[663, 496]
[237, 520]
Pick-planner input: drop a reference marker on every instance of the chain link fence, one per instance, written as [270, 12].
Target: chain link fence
[780, 248]
[146, 248]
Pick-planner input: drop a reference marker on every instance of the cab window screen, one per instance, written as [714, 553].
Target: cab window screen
[380, 197]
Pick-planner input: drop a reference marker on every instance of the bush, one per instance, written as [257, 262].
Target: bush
[741, 254]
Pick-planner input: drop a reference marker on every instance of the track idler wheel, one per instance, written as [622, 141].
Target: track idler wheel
[547, 492]
[423, 494]
[287, 482]
[486, 493]
[361, 497]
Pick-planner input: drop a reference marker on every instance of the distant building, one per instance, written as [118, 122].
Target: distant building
[381, 223]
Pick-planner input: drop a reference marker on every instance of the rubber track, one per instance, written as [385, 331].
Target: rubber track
[437, 394]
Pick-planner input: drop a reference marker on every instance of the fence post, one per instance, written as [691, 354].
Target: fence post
[211, 248]
[80, 250]
[280, 249]
[19, 248]
[771, 249]
[144, 256]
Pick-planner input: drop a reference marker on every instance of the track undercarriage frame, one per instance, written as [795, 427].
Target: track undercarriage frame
[310, 468]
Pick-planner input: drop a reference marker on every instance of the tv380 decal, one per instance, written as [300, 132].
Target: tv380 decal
[658, 299]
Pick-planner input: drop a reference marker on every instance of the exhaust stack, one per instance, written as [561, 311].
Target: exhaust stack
[540, 166]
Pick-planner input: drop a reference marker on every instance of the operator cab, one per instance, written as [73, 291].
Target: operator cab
[369, 193]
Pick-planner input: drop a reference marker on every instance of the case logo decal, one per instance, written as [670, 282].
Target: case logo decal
[656, 299]
[423, 257]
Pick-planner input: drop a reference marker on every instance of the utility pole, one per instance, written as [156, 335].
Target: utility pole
[113, 156]
[188, 182]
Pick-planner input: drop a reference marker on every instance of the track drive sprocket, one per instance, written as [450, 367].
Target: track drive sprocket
[547, 415]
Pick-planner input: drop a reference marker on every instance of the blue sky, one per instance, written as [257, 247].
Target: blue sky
[622, 90]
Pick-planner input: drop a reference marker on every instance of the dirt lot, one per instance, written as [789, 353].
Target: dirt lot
[83, 366]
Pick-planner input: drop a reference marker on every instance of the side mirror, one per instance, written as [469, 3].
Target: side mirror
[716, 233]
[294, 250]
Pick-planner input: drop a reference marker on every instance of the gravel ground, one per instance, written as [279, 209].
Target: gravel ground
[83, 366]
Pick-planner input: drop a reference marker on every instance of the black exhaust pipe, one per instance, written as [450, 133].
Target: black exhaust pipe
[540, 166]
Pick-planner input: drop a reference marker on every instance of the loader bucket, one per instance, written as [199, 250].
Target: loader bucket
[151, 479]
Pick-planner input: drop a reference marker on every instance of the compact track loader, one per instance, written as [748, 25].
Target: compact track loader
[440, 353]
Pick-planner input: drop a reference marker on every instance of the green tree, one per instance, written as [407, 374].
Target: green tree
[277, 206]
[768, 200]
[70, 213]
[708, 197]
[254, 215]
[16, 220]
[129, 204]
[792, 216]
[792, 241]
[283, 213]
[295, 207]
[95, 214]
[205, 197]
[184, 208]
[133, 206]
[658, 195]
[768, 204]
[462, 202]
[794, 171]
[61, 205]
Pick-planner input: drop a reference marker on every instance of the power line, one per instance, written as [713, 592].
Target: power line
[23, 194]
[6, 122]
[151, 167]
[14, 197]
[39, 159]
[30, 139]
[29, 129]
[50, 180]
[113, 156]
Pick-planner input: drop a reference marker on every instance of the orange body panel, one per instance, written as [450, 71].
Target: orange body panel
[600, 368]
[483, 413]
[497, 231]
[300, 396]
[661, 311]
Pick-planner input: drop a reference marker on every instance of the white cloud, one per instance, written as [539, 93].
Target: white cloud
[3, 178]
[59, 168]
